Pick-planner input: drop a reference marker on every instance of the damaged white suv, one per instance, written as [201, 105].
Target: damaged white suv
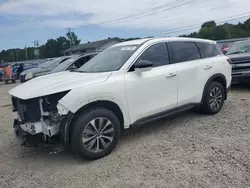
[128, 84]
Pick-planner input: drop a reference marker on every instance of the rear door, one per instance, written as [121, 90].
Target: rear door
[196, 62]
[187, 58]
[213, 62]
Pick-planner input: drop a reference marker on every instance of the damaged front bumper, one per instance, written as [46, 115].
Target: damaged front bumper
[36, 128]
[34, 133]
[41, 118]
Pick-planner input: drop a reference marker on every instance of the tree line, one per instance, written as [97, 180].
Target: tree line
[210, 30]
[53, 47]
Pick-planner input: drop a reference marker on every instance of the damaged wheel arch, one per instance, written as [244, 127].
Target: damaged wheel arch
[68, 121]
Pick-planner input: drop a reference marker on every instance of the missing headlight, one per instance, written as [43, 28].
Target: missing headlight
[54, 117]
[50, 101]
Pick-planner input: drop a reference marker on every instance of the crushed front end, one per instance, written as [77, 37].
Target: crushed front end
[38, 120]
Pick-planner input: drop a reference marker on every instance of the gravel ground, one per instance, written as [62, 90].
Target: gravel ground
[191, 150]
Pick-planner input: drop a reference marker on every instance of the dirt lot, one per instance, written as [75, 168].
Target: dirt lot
[191, 150]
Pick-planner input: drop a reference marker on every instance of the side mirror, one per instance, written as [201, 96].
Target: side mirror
[143, 65]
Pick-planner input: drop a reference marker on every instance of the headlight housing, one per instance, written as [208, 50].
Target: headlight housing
[29, 76]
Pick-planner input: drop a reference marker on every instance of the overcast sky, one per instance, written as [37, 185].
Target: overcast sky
[23, 21]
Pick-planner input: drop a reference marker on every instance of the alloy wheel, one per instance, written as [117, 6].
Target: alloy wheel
[215, 98]
[98, 134]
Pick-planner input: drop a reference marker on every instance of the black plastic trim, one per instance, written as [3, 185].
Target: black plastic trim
[161, 115]
[64, 128]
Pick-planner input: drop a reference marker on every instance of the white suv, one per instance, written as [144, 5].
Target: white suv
[128, 84]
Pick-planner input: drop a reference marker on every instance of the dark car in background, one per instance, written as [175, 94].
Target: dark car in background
[72, 63]
[239, 54]
[19, 67]
[22, 66]
[42, 69]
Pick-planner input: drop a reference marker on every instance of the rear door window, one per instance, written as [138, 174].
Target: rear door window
[208, 50]
[184, 51]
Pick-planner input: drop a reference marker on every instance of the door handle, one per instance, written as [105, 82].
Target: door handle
[208, 67]
[171, 75]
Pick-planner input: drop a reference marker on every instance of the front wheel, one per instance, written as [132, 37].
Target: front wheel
[213, 98]
[95, 133]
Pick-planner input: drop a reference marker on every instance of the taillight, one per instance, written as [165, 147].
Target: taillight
[229, 61]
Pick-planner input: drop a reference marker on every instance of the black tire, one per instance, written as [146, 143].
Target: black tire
[6, 81]
[82, 121]
[208, 108]
[13, 81]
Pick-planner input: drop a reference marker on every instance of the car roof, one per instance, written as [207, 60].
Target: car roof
[164, 39]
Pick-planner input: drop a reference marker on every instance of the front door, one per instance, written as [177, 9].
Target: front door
[152, 91]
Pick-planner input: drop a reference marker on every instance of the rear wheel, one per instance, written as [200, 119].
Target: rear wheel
[213, 98]
[95, 133]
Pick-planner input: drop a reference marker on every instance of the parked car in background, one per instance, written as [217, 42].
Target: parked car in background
[225, 48]
[19, 67]
[1, 75]
[129, 84]
[9, 75]
[239, 54]
[72, 63]
[42, 69]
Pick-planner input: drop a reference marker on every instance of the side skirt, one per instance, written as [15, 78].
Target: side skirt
[165, 114]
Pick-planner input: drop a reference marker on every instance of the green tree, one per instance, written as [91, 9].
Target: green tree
[247, 25]
[220, 32]
[206, 33]
[73, 39]
[209, 24]
[53, 47]
[209, 30]
[50, 48]
[192, 35]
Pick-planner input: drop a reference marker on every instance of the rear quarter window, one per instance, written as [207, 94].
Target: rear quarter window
[208, 50]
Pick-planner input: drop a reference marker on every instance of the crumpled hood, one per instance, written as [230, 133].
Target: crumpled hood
[35, 70]
[55, 83]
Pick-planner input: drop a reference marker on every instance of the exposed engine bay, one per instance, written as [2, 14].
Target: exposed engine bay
[39, 118]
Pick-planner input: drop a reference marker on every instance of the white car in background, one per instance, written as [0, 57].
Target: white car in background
[129, 84]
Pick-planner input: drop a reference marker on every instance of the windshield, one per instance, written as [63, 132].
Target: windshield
[240, 47]
[111, 59]
[64, 65]
[50, 64]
